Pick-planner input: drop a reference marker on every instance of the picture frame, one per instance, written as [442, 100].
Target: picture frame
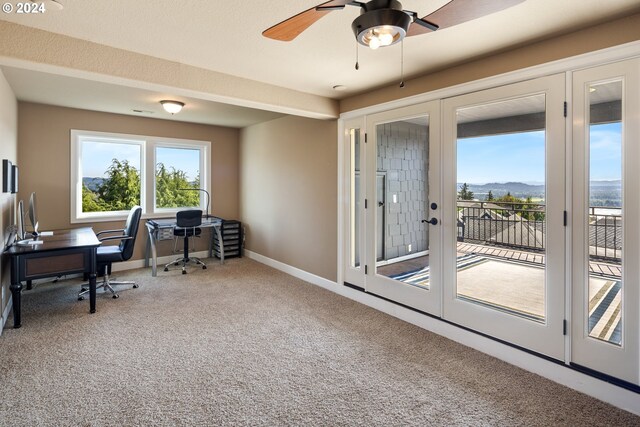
[6, 176]
[14, 179]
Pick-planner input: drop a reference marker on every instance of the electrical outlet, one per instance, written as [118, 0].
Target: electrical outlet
[409, 248]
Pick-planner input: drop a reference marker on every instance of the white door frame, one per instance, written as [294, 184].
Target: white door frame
[428, 301]
[546, 338]
[620, 362]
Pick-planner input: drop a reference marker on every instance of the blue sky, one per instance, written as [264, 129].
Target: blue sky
[520, 157]
[181, 159]
[96, 158]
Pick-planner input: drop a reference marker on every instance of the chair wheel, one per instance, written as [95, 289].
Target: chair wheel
[83, 289]
[204, 267]
[166, 269]
[115, 296]
[80, 298]
[135, 286]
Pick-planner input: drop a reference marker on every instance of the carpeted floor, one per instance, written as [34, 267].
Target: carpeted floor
[243, 344]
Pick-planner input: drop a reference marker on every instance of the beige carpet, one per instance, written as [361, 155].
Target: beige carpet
[243, 344]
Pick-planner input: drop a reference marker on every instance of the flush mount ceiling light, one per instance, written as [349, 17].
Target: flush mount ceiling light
[172, 107]
[384, 22]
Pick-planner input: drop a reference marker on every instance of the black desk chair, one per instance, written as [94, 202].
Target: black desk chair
[109, 254]
[187, 223]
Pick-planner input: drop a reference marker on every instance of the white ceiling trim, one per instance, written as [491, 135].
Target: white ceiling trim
[38, 50]
[574, 63]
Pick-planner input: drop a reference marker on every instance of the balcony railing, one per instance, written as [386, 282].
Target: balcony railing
[522, 225]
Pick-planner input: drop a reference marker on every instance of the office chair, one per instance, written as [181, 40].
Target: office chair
[106, 255]
[187, 223]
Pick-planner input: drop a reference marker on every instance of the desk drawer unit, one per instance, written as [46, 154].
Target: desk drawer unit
[232, 237]
[39, 265]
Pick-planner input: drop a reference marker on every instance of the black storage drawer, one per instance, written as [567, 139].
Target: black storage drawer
[232, 239]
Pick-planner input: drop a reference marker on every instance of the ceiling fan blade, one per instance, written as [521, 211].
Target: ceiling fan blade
[291, 28]
[459, 11]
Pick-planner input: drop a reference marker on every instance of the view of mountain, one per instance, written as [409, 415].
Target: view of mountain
[92, 183]
[603, 193]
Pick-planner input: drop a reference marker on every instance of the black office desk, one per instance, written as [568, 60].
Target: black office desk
[65, 252]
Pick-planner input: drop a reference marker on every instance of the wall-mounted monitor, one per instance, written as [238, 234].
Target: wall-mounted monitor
[6, 176]
[14, 179]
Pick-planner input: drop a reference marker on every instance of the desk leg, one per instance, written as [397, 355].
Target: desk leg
[16, 292]
[147, 248]
[153, 237]
[92, 293]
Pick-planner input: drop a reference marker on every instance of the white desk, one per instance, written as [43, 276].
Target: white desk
[155, 227]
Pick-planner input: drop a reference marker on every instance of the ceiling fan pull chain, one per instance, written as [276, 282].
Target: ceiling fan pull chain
[357, 65]
[402, 63]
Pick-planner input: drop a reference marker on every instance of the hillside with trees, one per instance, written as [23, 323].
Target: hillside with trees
[119, 190]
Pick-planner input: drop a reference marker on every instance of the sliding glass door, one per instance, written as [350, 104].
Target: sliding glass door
[606, 234]
[503, 213]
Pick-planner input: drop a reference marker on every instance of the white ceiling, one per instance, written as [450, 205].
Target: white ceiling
[226, 37]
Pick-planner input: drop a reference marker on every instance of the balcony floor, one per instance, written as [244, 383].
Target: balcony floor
[512, 281]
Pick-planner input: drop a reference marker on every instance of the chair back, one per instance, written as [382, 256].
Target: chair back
[189, 218]
[130, 230]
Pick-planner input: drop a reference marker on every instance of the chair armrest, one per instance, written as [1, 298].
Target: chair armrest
[110, 231]
[104, 239]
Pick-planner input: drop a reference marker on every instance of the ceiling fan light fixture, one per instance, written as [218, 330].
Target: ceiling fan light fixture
[382, 23]
[172, 107]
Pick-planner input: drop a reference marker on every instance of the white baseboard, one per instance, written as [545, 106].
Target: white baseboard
[602, 390]
[5, 313]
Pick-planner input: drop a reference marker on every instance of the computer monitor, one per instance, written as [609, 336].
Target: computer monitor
[33, 215]
[20, 221]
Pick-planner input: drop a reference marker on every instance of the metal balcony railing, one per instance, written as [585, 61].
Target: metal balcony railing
[522, 225]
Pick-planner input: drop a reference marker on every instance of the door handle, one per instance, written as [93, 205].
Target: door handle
[380, 204]
[432, 221]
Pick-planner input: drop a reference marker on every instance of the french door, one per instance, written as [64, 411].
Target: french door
[503, 207]
[606, 209]
[508, 211]
[393, 192]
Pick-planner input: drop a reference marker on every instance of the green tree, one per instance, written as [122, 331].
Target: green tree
[465, 193]
[119, 191]
[168, 188]
[490, 196]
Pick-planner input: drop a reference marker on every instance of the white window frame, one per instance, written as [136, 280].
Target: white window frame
[180, 144]
[148, 146]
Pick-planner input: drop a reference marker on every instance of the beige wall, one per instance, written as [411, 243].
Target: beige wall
[9, 151]
[288, 192]
[44, 153]
[594, 38]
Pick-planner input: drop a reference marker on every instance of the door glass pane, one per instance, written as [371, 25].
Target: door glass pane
[402, 201]
[501, 210]
[605, 212]
[354, 212]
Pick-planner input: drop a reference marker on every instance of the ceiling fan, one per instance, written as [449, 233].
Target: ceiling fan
[384, 22]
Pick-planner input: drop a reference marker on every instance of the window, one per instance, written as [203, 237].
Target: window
[110, 173]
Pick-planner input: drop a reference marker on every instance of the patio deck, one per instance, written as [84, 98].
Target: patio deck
[486, 276]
